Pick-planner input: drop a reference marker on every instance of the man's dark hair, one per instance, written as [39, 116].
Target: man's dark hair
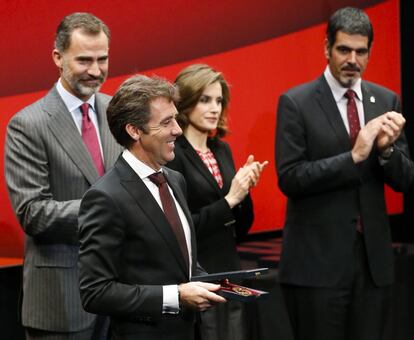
[87, 22]
[131, 105]
[349, 20]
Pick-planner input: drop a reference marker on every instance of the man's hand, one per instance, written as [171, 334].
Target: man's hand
[199, 295]
[366, 138]
[392, 125]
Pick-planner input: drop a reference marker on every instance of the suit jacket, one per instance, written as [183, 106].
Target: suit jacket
[327, 192]
[216, 224]
[48, 169]
[128, 252]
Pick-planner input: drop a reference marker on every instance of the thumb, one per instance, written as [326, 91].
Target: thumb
[262, 165]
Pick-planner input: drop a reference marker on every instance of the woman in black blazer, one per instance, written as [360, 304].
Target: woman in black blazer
[218, 197]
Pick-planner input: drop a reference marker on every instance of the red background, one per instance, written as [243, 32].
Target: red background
[262, 47]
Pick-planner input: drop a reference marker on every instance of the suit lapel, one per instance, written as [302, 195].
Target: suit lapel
[182, 201]
[369, 102]
[327, 102]
[110, 148]
[195, 159]
[67, 135]
[149, 206]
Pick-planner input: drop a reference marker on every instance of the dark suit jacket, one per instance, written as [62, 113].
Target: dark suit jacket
[327, 191]
[216, 224]
[128, 252]
[48, 169]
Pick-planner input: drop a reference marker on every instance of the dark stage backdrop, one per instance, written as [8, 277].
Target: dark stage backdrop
[263, 48]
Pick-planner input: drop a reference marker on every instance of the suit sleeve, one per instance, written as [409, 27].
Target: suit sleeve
[299, 175]
[101, 235]
[399, 169]
[242, 212]
[27, 176]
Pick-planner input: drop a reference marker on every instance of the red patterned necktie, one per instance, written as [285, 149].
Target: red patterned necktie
[353, 118]
[90, 138]
[170, 211]
[354, 127]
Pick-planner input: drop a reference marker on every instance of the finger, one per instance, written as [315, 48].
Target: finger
[390, 125]
[215, 298]
[212, 287]
[242, 172]
[249, 160]
[263, 165]
[374, 123]
[389, 130]
[245, 184]
[253, 181]
[396, 117]
[255, 169]
[371, 129]
[393, 114]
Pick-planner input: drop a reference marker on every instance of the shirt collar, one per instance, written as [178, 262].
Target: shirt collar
[140, 168]
[337, 89]
[72, 102]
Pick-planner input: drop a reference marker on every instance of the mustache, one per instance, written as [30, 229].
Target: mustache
[100, 78]
[352, 68]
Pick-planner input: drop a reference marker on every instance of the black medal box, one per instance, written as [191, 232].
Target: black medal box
[233, 291]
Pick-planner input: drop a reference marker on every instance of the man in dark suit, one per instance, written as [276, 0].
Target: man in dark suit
[49, 165]
[335, 150]
[135, 259]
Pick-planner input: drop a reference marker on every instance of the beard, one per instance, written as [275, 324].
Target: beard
[346, 80]
[75, 82]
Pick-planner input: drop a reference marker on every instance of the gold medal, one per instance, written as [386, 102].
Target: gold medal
[242, 291]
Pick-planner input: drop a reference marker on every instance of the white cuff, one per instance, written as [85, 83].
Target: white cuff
[170, 303]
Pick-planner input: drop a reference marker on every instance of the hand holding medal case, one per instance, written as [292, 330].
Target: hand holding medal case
[233, 291]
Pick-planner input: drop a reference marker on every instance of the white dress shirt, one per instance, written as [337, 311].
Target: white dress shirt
[73, 104]
[339, 91]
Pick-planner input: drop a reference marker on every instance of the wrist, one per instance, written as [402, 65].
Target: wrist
[387, 153]
[356, 157]
[230, 201]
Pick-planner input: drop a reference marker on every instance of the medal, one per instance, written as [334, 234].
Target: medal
[242, 291]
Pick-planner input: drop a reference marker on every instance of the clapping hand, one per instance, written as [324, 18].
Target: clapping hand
[392, 125]
[247, 177]
[255, 169]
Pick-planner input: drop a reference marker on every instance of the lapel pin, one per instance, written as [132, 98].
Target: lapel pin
[372, 99]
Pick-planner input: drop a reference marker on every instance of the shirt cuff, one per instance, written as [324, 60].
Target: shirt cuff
[170, 303]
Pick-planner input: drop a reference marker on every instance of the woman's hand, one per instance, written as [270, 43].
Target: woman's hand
[255, 169]
[247, 177]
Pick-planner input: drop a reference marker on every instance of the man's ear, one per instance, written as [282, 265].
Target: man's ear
[57, 58]
[133, 132]
[370, 49]
[326, 49]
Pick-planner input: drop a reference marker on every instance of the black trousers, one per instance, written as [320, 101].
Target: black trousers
[357, 310]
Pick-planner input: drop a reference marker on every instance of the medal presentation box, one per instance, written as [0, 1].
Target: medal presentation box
[233, 291]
